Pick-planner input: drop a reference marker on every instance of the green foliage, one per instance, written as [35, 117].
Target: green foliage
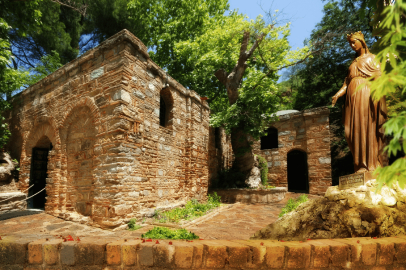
[219, 47]
[263, 166]
[391, 28]
[192, 209]
[161, 24]
[10, 80]
[293, 204]
[132, 225]
[166, 233]
[48, 64]
[320, 77]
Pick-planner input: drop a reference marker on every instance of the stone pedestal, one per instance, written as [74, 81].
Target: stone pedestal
[354, 180]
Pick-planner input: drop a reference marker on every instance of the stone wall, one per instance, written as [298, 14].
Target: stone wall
[306, 131]
[109, 158]
[98, 253]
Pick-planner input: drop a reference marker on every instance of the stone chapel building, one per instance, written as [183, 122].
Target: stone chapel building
[111, 136]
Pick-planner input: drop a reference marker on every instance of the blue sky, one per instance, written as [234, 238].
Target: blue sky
[303, 14]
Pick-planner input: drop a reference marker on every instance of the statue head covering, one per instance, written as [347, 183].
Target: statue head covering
[358, 36]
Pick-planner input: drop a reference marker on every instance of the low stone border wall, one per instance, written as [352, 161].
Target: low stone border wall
[243, 195]
[99, 253]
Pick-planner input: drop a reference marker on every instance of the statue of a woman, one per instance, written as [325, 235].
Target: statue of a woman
[363, 117]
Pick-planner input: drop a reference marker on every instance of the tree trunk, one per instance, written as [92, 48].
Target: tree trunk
[244, 161]
[244, 158]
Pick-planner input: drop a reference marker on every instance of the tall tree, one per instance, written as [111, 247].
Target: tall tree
[323, 74]
[11, 78]
[60, 30]
[244, 57]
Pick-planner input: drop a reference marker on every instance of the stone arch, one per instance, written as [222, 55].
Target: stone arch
[166, 108]
[39, 130]
[78, 136]
[84, 101]
[36, 150]
[297, 171]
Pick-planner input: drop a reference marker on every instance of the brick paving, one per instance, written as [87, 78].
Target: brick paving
[240, 221]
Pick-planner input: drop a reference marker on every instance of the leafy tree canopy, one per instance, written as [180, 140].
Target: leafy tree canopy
[219, 47]
[321, 76]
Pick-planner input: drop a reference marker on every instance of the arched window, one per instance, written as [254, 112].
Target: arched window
[270, 140]
[165, 108]
[162, 112]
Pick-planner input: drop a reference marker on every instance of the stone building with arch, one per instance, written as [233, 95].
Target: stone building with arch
[297, 149]
[110, 136]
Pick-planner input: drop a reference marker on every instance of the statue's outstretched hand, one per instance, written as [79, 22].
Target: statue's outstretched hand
[334, 100]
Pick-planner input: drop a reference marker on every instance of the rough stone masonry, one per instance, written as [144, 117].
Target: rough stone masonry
[123, 138]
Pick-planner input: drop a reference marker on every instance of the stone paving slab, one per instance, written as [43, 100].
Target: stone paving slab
[238, 222]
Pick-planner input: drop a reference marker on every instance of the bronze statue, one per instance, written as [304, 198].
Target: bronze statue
[363, 117]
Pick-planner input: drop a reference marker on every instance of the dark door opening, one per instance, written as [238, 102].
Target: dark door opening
[298, 180]
[38, 175]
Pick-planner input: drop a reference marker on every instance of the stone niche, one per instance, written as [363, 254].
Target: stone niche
[110, 136]
[297, 149]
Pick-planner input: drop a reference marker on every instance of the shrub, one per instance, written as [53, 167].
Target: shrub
[166, 233]
[293, 204]
[132, 226]
[191, 210]
[263, 167]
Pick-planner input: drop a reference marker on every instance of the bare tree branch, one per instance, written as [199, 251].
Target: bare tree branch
[81, 9]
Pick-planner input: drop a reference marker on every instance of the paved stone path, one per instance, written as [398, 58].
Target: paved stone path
[240, 221]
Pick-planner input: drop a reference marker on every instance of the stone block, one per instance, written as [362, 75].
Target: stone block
[163, 255]
[237, 254]
[122, 95]
[146, 254]
[51, 251]
[386, 252]
[68, 253]
[96, 73]
[298, 254]
[7, 252]
[214, 254]
[35, 252]
[325, 160]
[129, 252]
[113, 252]
[183, 257]
[321, 255]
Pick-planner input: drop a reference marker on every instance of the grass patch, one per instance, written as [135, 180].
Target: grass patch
[166, 233]
[192, 209]
[293, 204]
[132, 226]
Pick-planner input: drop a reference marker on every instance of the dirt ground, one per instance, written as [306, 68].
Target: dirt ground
[240, 221]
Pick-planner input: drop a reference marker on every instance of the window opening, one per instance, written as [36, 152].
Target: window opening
[162, 112]
[270, 140]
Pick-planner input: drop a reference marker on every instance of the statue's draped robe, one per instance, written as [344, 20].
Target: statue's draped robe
[363, 118]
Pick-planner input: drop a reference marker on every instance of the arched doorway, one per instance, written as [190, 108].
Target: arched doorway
[39, 172]
[298, 179]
